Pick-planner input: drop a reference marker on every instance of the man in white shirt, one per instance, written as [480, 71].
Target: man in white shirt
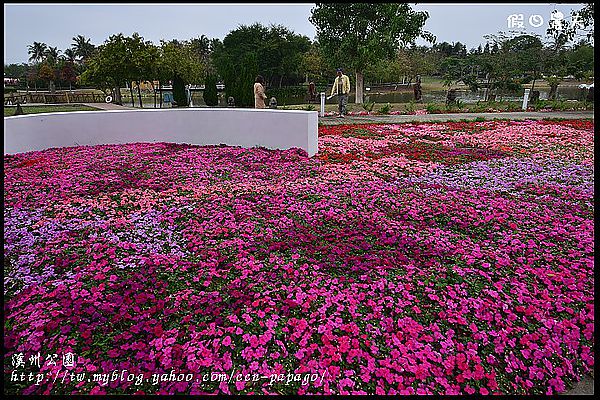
[341, 88]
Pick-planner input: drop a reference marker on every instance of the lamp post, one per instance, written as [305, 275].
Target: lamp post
[525, 99]
[322, 112]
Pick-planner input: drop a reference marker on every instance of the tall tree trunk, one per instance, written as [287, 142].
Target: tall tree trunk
[117, 93]
[359, 87]
[154, 90]
[139, 94]
[553, 91]
[132, 97]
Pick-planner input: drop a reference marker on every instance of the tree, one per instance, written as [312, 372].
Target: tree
[123, 59]
[581, 61]
[210, 94]
[356, 35]
[37, 51]
[51, 55]
[108, 67]
[278, 52]
[236, 59]
[69, 55]
[51, 58]
[68, 74]
[529, 56]
[47, 73]
[239, 79]
[200, 47]
[177, 63]
[32, 76]
[16, 70]
[282, 54]
[580, 26]
[556, 68]
[407, 64]
[83, 48]
[314, 65]
[446, 49]
[179, 95]
[504, 66]
[141, 61]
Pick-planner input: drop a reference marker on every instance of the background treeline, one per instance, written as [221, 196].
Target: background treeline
[287, 60]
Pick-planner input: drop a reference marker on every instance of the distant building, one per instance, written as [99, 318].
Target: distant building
[10, 81]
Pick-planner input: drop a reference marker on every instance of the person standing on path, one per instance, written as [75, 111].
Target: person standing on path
[259, 92]
[341, 88]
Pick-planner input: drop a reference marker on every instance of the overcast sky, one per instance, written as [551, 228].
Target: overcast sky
[56, 24]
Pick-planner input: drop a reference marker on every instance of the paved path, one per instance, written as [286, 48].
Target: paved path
[100, 106]
[108, 106]
[392, 119]
[584, 386]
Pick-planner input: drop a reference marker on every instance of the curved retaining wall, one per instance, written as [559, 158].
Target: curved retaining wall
[273, 129]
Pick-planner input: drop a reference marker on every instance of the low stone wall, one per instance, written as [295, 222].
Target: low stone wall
[273, 129]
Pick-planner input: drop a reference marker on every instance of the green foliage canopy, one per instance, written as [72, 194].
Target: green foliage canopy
[356, 35]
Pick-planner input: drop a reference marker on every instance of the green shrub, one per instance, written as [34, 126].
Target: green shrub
[385, 109]
[210, 95]
[179, 94]
[514, 107]
[288, 91]
[559, 105]
[432, 109]
[309, 107]
[539, 105]
[411, 106]
[454, 106]
[368, 106]
[239, 81]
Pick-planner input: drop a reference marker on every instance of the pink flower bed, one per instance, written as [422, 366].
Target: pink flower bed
[452, 258]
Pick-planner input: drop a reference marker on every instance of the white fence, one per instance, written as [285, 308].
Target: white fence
[273, 129]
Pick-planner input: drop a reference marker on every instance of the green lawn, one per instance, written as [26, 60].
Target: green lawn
[10, 111]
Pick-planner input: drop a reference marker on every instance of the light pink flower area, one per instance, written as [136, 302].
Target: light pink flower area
[451, 258]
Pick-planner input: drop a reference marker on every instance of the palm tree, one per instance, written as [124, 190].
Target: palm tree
[69, 55]
[37, 51]
[83, 48]
[52, 55]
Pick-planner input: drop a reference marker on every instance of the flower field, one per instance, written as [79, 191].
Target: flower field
[447, 258]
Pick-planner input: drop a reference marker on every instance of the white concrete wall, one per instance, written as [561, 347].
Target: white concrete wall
[273, 129]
